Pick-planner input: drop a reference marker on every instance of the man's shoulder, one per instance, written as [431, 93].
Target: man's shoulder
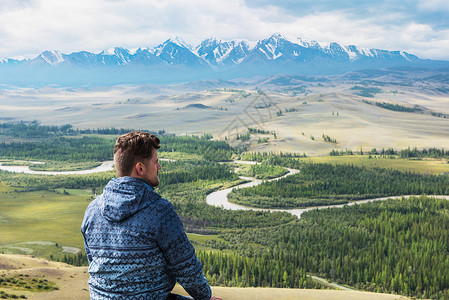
[161, 204]
[92, 211]
[94, 204]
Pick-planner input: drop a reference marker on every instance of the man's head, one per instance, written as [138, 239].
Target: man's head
[135, 155]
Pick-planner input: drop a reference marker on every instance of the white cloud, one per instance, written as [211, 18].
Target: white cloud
[93, 25]
[434, 5]
[426, 42]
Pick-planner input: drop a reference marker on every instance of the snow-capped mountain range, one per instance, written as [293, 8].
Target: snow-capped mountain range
[175, 61]
[214, 52]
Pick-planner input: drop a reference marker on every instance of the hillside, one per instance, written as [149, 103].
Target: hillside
[312, 115]
[72, 284]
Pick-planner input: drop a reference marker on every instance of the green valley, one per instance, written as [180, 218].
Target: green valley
[396, 246]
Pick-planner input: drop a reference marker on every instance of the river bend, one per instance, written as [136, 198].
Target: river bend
[220, 198]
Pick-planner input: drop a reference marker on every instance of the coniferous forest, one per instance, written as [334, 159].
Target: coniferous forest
[324, 184]
[393, 246]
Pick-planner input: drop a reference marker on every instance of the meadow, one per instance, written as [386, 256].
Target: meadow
[41, 223]
[421, 166]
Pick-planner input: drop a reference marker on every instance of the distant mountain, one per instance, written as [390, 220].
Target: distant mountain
[9, 61]
[223, 53]
[176, 60]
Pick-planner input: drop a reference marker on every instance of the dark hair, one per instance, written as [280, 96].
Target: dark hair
[131, 148]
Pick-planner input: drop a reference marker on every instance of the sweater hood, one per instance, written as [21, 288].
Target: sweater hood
[123, 197]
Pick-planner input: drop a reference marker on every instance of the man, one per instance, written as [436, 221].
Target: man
[134, 240]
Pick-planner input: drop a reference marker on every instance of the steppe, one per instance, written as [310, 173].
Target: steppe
[300, 110]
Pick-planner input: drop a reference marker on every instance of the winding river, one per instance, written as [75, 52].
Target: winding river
[220, 198]
[105, 166]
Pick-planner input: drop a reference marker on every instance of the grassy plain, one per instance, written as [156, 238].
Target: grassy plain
[199, 240]
[264, 171]
[34, 222]
[421, 166]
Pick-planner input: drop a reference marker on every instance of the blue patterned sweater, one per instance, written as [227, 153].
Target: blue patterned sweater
[136, 245]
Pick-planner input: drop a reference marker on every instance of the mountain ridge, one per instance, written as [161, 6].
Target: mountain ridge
[215, 51]
[177, 61]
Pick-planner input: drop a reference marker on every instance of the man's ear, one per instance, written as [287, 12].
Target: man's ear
[140, 168]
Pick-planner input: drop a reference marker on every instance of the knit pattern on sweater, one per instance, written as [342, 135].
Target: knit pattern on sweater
[136, 245]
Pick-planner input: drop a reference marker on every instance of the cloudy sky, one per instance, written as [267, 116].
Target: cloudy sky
[29, 27]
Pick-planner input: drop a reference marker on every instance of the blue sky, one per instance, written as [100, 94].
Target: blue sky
[29, 27]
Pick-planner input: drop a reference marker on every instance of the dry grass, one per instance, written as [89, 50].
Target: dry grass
[232, 293]
[71, 281]
[72, 284]
[329, 110]
[424, 166]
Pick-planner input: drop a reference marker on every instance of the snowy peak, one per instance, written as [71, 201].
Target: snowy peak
[276, 39]
[175, 51]
[179, 41]
[145, 57]
[10, 61]
[272, 48]
[207, 46]
[115, 51]
[278, 48]
[218, 52]
[175, 42]
[309, 44]
[115, 56]
[50, 57]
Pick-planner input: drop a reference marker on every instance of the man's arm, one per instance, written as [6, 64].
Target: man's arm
[181, 257]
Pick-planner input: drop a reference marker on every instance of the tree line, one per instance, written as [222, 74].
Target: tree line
[94, 148]
[86, 148]
[191, 170]
[403, 153]
[34, 130]
[210, 150]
